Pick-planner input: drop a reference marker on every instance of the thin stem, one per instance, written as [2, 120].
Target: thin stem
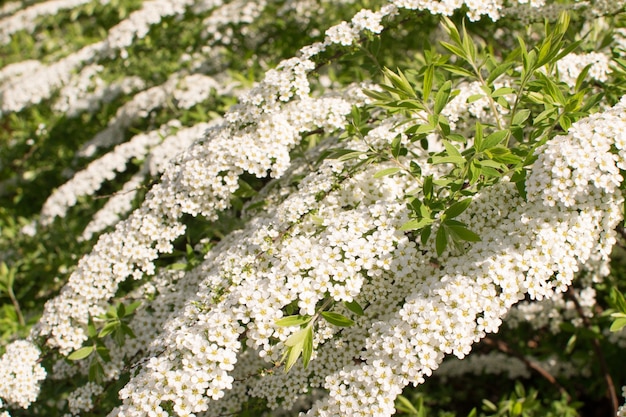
[503, 347]
[610, 386]
[16, 306]
[492, 103]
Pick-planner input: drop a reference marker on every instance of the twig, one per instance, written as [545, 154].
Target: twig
[610, 386]
[503, 347]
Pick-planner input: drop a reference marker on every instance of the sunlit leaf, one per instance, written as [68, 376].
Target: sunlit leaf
[337, 319]
[81, 353]
[295, 320]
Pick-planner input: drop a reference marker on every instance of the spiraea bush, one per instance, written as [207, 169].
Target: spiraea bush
[314, 208]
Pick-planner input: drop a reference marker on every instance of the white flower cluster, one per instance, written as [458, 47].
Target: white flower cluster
[554, 311]
[106, 168]
[86, 91]
[9, 7]
[12, 70]
[81, 399]
[622, 410]
[29, 88]
[479, 106]
[136, 242]
[32, 88]
[257, 293]
[27, 18]
[456, 305]
[177, 87]
[489, 8]
[20, 373]
[158, 157]
[571, 66]
[217, 25]
[137, 25]
[336, 239]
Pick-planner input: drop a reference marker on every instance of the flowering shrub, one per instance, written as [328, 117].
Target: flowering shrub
[295, 207]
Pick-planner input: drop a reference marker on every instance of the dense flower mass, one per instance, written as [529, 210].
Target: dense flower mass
[21, 374]
[264, 225]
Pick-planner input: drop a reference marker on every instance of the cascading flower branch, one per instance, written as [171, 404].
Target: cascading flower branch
[427, 208]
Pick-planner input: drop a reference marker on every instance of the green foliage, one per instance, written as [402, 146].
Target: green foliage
[489, 152]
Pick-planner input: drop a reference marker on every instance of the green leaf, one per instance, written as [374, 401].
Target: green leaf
[119, 337]
[457, 208]
[489, 406]
[565, 122]
[581, 77]
[338, 153]
[428, 187]
[4, 270]
[405, 405]
[386, 172]
[491, 164]
[464, 233]
[618, 298]
[127, 330]
[178, 266]
[81, 353]
[349, 155]
[478, 137]
[451, 29]
[416, 224]
[297, 337]
[420, 129]
[108, 328]
[495, 138]
[427, 86]
[121, 310]
[396, 145]
[474, 171]
[130, 309]
[337, 319]
[458, 70]
[520, 117]
[425, 234]
[307, 347]
[245, 190]
[457, 160]
[441, 240]
[416, 170]
[356, 115]
[571, 343]
[96, 371]
[618, 324]
[441, 99]
[293, 353]
[451, 149]
[91, 328]
[295, 320]
[456, 138]
[103, 352]
[502, 91]
[354, 307]
[498, 71]
[400, 82]
[468, 46]
[406, 104]
[503, 155]
[377, 95]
